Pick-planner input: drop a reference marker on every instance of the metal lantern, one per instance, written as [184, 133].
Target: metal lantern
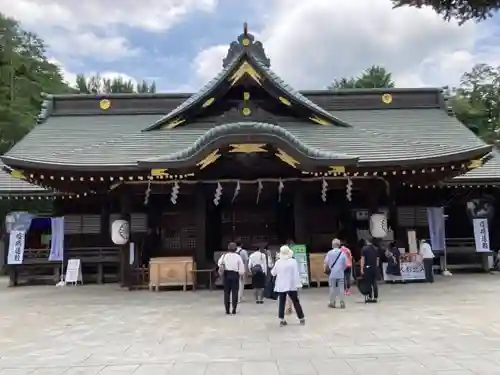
[378, 225]
[120, 232]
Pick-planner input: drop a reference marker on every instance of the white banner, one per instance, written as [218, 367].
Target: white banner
[57, 239]
[481, 235]
[16, 247]
[409, 271]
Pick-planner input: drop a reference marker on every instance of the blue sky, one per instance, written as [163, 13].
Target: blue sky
[180, 43]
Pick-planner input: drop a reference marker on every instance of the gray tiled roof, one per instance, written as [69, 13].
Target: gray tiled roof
[489, 172]
[10, 185]
[400, 135]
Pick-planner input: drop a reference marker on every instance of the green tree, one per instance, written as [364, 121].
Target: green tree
[25, 73]
[462, 10]
[99, 85]
[476, 101]
[373, 77]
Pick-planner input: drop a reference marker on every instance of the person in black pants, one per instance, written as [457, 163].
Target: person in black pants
[231, 267]
[286, 271]
[369, 269]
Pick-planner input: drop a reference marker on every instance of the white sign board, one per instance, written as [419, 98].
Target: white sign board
[412, 241]
[481, 235]
[409, 271]
[16, 247]
[74, 272]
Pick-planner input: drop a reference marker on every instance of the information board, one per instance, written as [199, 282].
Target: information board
[300, 255]
[74, 272]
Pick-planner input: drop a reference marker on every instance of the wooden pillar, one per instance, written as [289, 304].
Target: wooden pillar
[124, 251]
[200, 255]
[105, 234]
[299, 211]
[393, 213]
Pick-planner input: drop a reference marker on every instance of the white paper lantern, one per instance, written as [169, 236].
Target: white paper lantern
[378, 225]
[120, 232]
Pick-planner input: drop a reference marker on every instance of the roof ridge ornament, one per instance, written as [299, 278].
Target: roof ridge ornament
[246, 43]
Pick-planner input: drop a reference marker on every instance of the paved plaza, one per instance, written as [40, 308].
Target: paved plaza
[449, 328]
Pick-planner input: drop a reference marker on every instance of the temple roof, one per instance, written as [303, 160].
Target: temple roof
[395, 128]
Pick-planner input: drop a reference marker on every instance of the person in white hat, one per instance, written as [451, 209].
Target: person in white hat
[286, 271]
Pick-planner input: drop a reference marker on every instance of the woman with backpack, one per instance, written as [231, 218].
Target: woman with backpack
[259, 264]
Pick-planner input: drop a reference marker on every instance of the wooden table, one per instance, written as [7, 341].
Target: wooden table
[210, 272]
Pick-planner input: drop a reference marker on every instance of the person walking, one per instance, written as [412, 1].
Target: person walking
[428, 259]
[335, 265]
[244, 257]
[348, 270]
[231, 268]
[369, 269]
[286, 271]
[259, 264]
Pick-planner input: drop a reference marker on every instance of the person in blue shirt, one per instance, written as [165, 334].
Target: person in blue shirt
[335, 265]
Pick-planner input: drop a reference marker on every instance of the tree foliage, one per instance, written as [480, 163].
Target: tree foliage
[373, 77]
[476, 101]
[100, 85]
[25, 74]
[462, 10]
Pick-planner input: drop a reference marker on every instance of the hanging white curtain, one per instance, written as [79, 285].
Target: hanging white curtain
[57, 239]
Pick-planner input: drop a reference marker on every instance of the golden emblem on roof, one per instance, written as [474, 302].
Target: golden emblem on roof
[209, 159]
[105, 104]
[247, 148]
[284, 157]
[387, 98]
[244, 69]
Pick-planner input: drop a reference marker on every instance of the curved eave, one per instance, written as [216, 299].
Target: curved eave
[18, 163]
[223, 135]
[463, 156]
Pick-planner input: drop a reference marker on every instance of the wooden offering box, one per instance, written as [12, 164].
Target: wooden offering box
[317, 268]
[170, 271]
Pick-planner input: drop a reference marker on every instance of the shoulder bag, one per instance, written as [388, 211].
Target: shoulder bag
[329, 269]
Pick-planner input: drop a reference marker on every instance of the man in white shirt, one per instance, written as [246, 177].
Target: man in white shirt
[232, 268]
[244, 257]
[428, 259]
[259, 264]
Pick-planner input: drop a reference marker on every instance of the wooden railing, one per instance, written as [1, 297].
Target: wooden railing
[36, 264]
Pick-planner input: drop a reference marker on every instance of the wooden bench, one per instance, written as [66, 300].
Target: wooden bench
[36, 264]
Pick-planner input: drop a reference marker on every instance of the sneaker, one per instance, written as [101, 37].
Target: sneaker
[345, 292]
[342, 304]
[228, 313]
[348, 292]
[331, 305]
[233, 312]
[283, 323]
[302, 322]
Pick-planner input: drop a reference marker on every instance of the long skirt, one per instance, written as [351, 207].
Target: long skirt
[259, 280]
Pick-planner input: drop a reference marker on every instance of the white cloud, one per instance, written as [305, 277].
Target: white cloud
[312, 42]
[68, 77]
[82, 28]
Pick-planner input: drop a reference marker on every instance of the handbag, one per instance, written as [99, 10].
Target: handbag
[329, 269]
[222, 266]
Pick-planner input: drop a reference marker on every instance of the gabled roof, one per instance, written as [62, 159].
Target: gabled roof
[246, 57]
[489, 173]
[14, 186]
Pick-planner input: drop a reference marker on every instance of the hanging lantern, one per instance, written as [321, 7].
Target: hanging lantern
[120, 232]
[378, 225]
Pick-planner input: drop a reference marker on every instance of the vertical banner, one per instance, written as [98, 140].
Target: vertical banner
[300, 255]
[412, 241]
[435, 217]
[16, 247]
[481, 235]
[57, 239]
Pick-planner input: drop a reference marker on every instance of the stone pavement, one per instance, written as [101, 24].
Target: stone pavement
[449, 328]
